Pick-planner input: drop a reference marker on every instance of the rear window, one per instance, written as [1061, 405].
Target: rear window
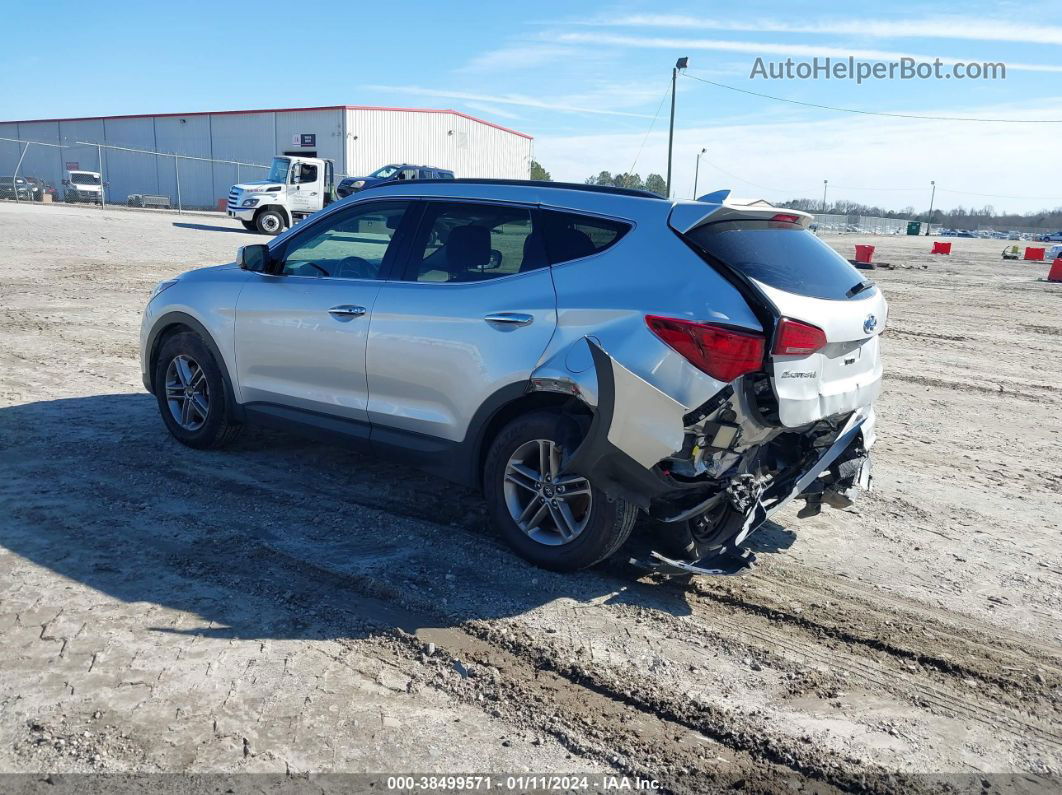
[785, 257]
[570, 236]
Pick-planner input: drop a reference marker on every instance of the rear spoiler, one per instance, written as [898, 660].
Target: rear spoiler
[719, 206]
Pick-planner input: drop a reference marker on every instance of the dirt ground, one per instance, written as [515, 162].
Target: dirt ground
[289, 607]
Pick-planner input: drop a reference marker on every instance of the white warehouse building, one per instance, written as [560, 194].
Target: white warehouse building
[359, 139]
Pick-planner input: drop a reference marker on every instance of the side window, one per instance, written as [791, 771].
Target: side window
[407, 173]
[305, 172]
[460, 242]
[570, 236]
[444, 175]
[349, 245]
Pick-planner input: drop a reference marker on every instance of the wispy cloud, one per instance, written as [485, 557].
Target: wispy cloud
[523, 55]
[940, 27]
[518, 100]
[774, 48]
[492, 110]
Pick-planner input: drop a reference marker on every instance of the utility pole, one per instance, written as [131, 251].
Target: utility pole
[697, 170]
[824, 183]
[681, 63]
[932, 196]
[103, 190]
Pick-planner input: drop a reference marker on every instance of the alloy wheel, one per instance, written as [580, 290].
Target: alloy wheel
[187, 392]
[549, 506]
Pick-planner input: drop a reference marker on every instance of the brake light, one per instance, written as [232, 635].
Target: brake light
[720, 352]
[797, 339]
[786, 218]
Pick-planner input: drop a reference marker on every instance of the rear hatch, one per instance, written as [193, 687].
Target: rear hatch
[824, 358]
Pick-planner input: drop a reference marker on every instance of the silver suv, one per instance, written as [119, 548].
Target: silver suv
[582, 354]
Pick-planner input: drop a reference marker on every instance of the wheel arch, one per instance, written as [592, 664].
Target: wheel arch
[280, 208]
[502, 408]
[174, 323]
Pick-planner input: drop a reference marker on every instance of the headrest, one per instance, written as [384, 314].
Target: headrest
[468, 247]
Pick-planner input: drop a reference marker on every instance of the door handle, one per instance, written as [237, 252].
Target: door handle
[510, 318]
[346, 310]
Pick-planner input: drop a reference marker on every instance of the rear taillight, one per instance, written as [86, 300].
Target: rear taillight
[721, 352]
[797, 339]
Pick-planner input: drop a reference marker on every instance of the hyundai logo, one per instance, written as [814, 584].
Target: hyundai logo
[870, 324]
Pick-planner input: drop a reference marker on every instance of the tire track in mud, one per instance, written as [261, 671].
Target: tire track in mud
[1008, 390]
[1001, 663]
[255, 482]
[591, 722]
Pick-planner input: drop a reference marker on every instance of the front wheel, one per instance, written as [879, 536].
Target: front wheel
[191, 393]
[269, 222]
[555, 519]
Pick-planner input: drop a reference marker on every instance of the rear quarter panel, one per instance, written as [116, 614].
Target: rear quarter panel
[606, 297]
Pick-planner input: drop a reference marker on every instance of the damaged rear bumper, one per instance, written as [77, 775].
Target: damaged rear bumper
[629, 436]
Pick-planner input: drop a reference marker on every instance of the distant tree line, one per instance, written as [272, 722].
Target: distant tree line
[653, 183]
[958, 218]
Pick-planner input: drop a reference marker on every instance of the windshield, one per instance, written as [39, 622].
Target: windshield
[384, 173]
[278, 172]
[783, 256]
[85, 179]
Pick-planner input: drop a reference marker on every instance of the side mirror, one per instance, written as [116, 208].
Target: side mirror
[253, 258]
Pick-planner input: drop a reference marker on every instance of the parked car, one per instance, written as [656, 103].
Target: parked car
[391, 173]
[579, 353]
[1052, 238]
[39, 188]
[12, 187]
[1053, 253]
[84, 186]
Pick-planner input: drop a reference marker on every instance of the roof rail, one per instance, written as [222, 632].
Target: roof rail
[531, 183]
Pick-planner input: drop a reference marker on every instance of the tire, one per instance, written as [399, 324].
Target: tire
[269, 222]
[250, 226]
[209, 424]
[603, 524]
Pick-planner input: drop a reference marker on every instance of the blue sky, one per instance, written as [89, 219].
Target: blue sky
[586, 79]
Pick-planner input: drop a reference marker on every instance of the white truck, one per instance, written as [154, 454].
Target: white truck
[83, 186]
[295, 187]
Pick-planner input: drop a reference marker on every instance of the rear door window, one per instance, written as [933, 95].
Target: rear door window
[571, 236]
[467, 242]
[783, 256]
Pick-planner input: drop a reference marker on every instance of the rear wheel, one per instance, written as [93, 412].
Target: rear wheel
[555, 519]
[191, 393]
[269, 222]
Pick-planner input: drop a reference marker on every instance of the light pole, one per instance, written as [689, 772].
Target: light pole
[824, 183]
[681, 63]
[697, 171]
[932, 196]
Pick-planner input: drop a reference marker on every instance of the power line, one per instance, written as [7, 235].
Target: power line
[849, 187]
[651, 124]
[1000, 196]
[870, 112]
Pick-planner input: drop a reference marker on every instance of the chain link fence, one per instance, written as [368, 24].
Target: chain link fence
[828, 223]
[86, 172]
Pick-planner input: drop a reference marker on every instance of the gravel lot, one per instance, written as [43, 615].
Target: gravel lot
[285, 606]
